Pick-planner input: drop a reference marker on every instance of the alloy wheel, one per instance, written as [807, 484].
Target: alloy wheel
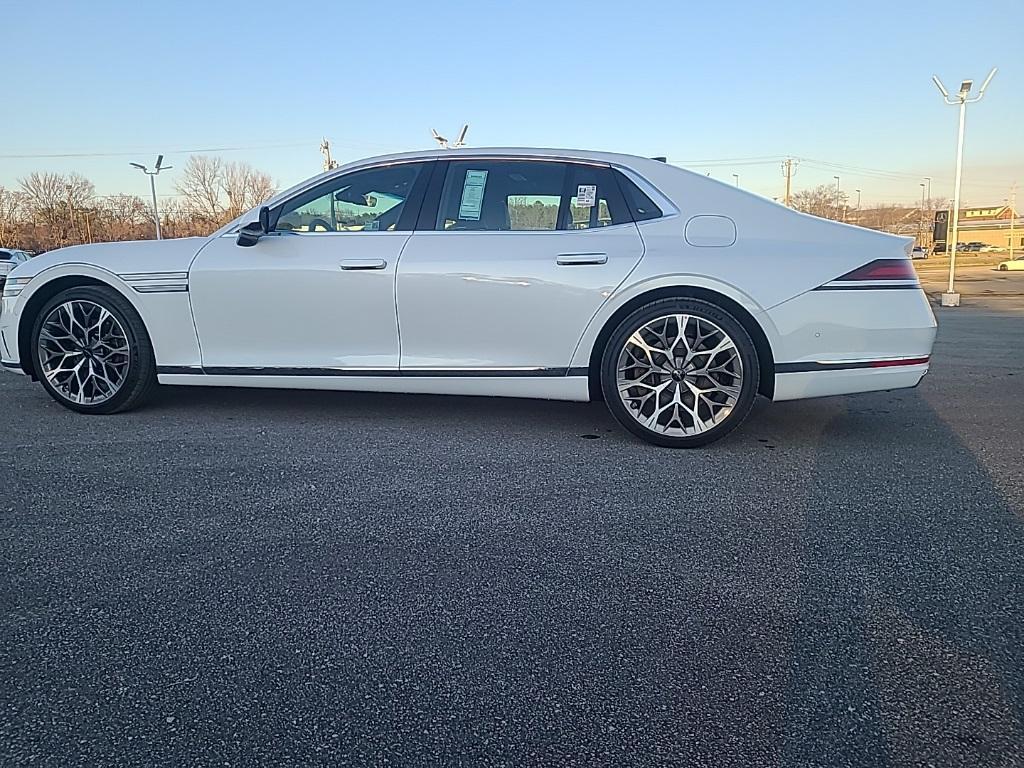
[83, 352]
[679, 375]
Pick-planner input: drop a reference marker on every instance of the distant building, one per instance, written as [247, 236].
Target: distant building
[990, 225]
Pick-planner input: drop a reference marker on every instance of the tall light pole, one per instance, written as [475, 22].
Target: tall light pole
[737, 177]
[1013, 215]
[928, 221]
[858, 199]
[152, 187]
[920, 225]
[950, 298]
[837, 197]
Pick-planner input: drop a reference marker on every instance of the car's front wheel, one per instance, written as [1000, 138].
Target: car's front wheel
[92, 352]
[680, 373]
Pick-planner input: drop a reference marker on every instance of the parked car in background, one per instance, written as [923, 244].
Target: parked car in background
[558, 274]
[991, 249]
[974, 246]
[9, 259]
[919, 253]
[1012, 264]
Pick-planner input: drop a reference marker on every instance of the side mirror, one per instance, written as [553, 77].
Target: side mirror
[251, 233]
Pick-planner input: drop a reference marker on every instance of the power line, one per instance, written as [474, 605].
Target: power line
[137, 151]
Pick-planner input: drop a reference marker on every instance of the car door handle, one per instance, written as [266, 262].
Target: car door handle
[363, 264]
[572, 259]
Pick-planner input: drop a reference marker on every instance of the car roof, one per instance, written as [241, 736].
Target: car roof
[474, 152]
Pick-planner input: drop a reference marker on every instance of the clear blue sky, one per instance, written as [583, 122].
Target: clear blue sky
[845, 83]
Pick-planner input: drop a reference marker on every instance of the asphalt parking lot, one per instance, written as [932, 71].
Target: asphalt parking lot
[272, 578]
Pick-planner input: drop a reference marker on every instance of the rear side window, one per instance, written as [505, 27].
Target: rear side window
[501, 195]
[640, 205]
[595, 199]
[529, 195]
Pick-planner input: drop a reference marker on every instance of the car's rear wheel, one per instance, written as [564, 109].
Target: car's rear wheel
[92, 352]
[680, 373]
[1003, 268]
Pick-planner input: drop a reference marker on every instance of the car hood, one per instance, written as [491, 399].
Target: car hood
[120, 258]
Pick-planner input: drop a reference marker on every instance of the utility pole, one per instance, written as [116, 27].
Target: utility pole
[325, 149]
[950, 298]
[837, 197]
[71, 215]
[788, 169]
[737, 177]
[858, 199]
[152, 187]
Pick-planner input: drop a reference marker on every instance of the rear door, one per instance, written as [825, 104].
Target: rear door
[510, 260]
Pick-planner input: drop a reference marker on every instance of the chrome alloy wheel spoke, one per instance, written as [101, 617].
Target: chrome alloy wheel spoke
[679, 375]
[83, 352]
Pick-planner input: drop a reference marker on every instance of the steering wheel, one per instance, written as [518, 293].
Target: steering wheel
[320, 223]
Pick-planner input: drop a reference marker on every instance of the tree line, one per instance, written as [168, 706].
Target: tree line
[823, 201]
[52, 210]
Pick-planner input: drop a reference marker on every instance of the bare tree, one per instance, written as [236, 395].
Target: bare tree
[820, 201]
[245, 188]
[57, 201]
[11, 207]
[123, 217]
[216, 192]
[200, 187]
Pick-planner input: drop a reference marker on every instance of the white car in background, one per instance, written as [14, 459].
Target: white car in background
[559, 274]
[1015, 263]
[9, 259]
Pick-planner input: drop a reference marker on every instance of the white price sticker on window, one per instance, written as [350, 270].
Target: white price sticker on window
[586, 195]
[472, 195]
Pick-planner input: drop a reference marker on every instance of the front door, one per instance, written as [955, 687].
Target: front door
[517, 260]
[318, 293]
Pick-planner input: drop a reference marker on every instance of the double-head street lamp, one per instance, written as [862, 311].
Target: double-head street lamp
[152, 186]
[950, 298]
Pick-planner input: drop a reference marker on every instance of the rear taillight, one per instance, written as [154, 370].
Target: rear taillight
[882, 269]
[894, 363]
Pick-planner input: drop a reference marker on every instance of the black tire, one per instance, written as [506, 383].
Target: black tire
[140, 379]
[702, 310]
[1003, 268]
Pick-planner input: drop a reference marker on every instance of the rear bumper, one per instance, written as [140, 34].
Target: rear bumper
[839, 342]
[835, 380]
[13, 367]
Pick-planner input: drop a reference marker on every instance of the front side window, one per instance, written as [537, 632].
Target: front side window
[501, 195]
[370, 200]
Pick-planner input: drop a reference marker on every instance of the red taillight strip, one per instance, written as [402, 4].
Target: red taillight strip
[904, 361]
[881, 269]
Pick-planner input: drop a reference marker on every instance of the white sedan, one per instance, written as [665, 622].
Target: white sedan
[1017, 263]
[568, 275]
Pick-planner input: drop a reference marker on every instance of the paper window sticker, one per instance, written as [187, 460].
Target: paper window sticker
[586, 195]
[472, 195]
